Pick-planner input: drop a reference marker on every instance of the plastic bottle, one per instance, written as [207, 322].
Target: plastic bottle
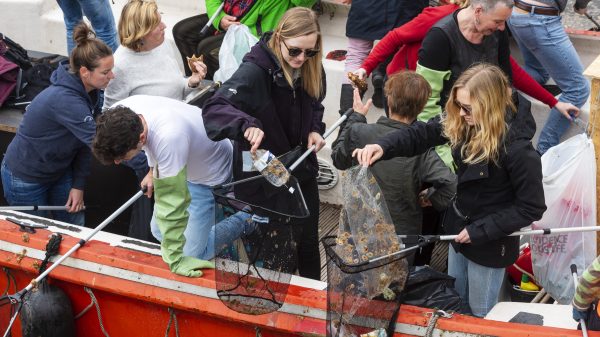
[526, 284]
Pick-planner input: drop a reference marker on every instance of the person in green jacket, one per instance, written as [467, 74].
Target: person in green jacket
[259, 15]
[587, 294]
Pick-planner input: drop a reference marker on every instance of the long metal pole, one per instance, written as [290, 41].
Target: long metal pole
[212, 19]
[81, 242]
[35, 208]
[302, 157]
[434, 238]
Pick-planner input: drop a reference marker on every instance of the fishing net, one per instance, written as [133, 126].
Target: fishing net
[253, 273]
[8, 308]
[359, 270]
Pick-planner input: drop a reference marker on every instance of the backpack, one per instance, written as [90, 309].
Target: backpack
[31, 75]
[13, 52]
[34, 80]
[9, 73]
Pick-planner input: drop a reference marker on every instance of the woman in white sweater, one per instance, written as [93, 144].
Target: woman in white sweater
[144, 64]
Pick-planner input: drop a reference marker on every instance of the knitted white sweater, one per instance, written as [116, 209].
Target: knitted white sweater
[154, 72]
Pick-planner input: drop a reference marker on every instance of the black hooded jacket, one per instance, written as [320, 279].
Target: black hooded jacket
[258, 95]
[496, 199]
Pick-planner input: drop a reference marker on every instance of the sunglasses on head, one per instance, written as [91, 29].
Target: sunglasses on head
[293, 52]
[466, 108]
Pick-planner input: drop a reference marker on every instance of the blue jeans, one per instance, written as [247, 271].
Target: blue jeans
[549, 53]
[19, 192]
[201, 233]
[476, 285]
[100, 15]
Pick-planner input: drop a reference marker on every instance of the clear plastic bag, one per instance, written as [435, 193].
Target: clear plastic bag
[237, 42]
[569, 171]
[366, 231]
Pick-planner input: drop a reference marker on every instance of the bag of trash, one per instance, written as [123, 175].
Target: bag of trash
[569, 177]
[428, 288]
[237, 42]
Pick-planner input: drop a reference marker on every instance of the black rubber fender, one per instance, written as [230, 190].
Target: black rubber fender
[47, 312]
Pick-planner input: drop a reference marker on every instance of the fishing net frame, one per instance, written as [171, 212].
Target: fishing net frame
[371, 313]
[252, 275]
[365, 275]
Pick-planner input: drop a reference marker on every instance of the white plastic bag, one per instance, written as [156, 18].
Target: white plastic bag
[237, 42]
[569, 171]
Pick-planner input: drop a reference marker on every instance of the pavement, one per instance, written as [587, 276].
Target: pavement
[580, 22]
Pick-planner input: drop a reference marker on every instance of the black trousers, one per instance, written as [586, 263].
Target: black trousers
[306, 233]
[190, 41]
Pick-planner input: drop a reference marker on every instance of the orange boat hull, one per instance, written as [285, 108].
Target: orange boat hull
[137, 293]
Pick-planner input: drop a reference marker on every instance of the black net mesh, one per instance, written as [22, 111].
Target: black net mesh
[359, 297]
[253, 273]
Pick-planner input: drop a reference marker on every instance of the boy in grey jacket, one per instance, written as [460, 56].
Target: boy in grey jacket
[399, 178]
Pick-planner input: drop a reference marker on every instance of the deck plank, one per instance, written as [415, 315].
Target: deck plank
[329, 215]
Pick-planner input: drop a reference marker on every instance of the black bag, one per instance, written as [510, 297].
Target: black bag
[593, 321]
[14, 52]
[428, 288]
[34, 80]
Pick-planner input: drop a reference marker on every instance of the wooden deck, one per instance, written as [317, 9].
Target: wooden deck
[329, 216]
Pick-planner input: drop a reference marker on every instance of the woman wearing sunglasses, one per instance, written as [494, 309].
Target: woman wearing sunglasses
[499, 173]
[273, 102]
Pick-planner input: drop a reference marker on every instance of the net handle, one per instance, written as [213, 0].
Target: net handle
[300, 159]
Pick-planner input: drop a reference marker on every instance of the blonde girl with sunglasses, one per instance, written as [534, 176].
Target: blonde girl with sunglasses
[273, 102]
[499, 175]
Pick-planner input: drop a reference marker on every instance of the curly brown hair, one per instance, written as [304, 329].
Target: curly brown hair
[117, 132]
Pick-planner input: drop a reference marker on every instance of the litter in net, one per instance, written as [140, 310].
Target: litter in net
[359, 298]
[253, 273]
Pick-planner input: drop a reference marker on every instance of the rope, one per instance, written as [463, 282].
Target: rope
[258, 333]
[51, 250]
[94, 302]
[9, 278]
[172, 318]
[433, 321]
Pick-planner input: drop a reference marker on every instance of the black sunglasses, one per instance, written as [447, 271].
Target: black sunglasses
[466, 108]
[293, 52]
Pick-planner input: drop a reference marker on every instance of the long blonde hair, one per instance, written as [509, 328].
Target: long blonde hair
[461, 3]
[138, 18]
[489, 91]
[300, 21]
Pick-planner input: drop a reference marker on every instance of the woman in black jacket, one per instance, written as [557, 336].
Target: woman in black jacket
[499, 173]
[273, 101]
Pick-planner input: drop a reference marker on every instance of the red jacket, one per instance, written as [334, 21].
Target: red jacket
[405, 41]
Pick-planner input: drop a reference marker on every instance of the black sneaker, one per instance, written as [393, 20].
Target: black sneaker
[377, 80]
[378, 97]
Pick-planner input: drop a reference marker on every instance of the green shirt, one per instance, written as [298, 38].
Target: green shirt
[588, 288]
[269, 12]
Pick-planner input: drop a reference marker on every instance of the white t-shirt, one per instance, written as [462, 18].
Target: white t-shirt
[153, 72]
[177, 138]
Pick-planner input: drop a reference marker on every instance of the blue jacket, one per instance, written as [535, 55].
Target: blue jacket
[56, 133]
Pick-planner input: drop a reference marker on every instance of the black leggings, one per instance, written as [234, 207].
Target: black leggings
[306, 233]
[189, 41]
